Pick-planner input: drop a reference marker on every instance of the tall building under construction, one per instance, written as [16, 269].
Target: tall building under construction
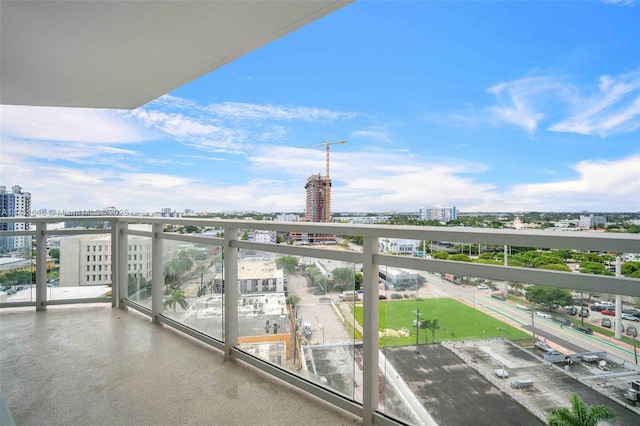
[318, 205]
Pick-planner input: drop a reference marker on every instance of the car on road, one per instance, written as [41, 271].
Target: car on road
[563, 321]
[544, 315]
[483, 287]
[630, 317]
[583, 328]
[608, 312]
[525, 307]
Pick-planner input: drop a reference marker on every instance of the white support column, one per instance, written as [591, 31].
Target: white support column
[122, 263]
[157, 277]
[115, 264]
[506, 263]
[618, 321]
[230, 283]
[370, 333]
[41, 266]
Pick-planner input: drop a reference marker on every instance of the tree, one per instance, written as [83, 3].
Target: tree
[442, 255]
[287, 263]
[580, 414]
[459, 258]
[425, 325]
[433, 325]
[176, 297]
[344, 277]
[548, 296]
[55, 253]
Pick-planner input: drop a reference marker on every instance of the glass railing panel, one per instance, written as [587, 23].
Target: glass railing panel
[81, 266]
[139, 269]
[193, 286]
[298, 313]
[18, 269]
[424, 320]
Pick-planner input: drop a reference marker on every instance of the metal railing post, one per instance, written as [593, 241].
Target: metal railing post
[157, 277]
[121, 268]
[230, 285]
[370, 333]
[41, 266]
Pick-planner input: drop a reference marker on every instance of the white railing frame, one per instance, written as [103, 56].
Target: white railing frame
[370, 258]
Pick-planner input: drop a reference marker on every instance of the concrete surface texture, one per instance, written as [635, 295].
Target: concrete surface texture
[102, 366]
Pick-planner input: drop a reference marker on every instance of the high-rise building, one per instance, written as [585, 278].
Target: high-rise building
[443, 214]
[14, 203]
[317, 207]
[591, 221]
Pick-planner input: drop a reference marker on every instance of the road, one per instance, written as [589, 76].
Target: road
[327, 326]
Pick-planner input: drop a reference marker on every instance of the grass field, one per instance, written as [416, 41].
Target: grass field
[457, 322]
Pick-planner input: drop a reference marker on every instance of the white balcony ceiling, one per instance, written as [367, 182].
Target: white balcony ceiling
[123, 54]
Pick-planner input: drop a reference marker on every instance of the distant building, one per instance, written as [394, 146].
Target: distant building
[90, 215]
[262, 236]
[439, 213]
[288, 217]
[14, 203]
[167, 212]
[317, 206]
[591, 221]
[401, 246]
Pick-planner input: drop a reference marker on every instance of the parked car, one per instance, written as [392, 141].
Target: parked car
[606, 322]
[608, 312]
[561, 320]
[630, 317]
[596, 308]
[483, 287]
[382, 296]
[501, 372]
[583, 328]
[544, 315]
[632, 331]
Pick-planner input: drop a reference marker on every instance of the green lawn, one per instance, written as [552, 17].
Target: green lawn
[457, 322]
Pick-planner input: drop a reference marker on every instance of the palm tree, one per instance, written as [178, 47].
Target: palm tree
[433, 326]
[580, 414]
[425, 324]
[176, 297]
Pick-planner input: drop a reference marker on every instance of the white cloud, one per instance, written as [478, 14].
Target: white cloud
[248, 111]
[69, 125]
[600, 185]
[614, 108]
[517, 100]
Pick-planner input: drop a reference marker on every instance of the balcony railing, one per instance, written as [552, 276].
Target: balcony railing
[228, 293]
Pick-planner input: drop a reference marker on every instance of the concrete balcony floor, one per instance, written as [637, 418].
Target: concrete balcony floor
[95, 365]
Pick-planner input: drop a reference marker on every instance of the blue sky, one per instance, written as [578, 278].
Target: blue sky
[486, 106]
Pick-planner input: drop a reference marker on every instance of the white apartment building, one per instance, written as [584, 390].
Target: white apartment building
[587, 222]
[257, 274]
[288, 217]
[262, 236]
[14, 203]
[442, 214]
[86, 259]
[395, 245]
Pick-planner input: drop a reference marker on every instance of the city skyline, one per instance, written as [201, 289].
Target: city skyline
[486, 106]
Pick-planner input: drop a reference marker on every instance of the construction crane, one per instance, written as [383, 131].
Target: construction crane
[327, 192]
[327, 182]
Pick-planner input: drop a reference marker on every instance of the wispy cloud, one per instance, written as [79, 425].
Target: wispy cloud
[614, 108]
[620, 2]
[249, 111]
[517, 100]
